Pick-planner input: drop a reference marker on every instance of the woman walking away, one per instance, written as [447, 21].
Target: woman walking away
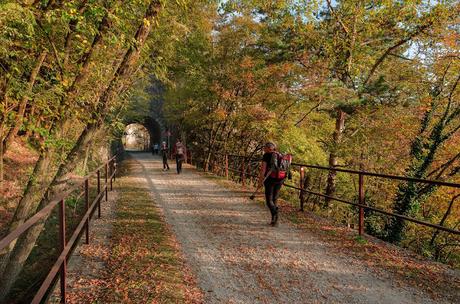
[179, 152]
[272, 177]
[164, 154]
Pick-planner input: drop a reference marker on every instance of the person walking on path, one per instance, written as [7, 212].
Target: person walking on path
[179, 152]
[164, 154]
[155, 148]
[271, 178]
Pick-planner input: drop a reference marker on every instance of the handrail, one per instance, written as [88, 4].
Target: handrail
[404, 217]
[367, 173]
[63, 256]
[42, 213]
[361, 205]
[66, 247]
[388, 176]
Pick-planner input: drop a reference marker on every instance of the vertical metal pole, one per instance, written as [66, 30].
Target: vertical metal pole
[361, 202]
[226, 166]
[243, 170]
[114, 169]
[99, 192]
[62, 238]
[111, 172]
[87, 208]
[301, 184]
[106, 181]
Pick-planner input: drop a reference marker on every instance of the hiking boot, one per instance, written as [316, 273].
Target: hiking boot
[275, 219]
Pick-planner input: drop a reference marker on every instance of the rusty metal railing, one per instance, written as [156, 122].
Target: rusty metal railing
[59, 268]
[244, 174]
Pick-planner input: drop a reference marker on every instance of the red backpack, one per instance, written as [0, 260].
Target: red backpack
[180, 150]
[280, 165]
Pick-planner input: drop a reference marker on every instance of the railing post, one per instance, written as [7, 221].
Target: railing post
[115, 169]
[361, 202]
[62, 238]
[111, 172]
[226, 166]
[106, 181]
[99, 192]
[87, 208]
[301, 184]
[243, 170]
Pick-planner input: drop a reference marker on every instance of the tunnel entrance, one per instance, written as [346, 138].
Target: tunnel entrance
[142, 134]
[136, 137]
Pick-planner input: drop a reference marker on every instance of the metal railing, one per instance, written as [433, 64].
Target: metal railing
[59, 268]
[245, 162]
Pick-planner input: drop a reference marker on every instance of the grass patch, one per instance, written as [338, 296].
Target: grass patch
[360, 240]
[331, 232]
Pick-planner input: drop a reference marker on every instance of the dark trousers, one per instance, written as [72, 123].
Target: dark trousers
[165, 162]
[272, 191]
[179, 160]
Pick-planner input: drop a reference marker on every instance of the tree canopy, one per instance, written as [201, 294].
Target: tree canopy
[370, 85]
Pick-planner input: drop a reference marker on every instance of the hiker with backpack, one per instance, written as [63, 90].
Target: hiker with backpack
[164, 155]
[273, 171]
[179, 152]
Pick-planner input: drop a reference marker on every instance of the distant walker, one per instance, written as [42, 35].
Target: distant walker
[164, 155]
[180, 154]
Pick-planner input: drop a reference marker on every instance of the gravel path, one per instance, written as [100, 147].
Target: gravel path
[238, 258]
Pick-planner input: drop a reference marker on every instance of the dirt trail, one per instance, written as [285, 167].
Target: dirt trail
[239, 258]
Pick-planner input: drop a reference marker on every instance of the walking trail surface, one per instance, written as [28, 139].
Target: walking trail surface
[238, 258]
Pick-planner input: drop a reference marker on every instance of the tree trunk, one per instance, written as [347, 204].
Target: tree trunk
[207, 160]
[423, 151]
[12, 263]
[333, 157]
[30, 130]
[25, 99]
[85, 161]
